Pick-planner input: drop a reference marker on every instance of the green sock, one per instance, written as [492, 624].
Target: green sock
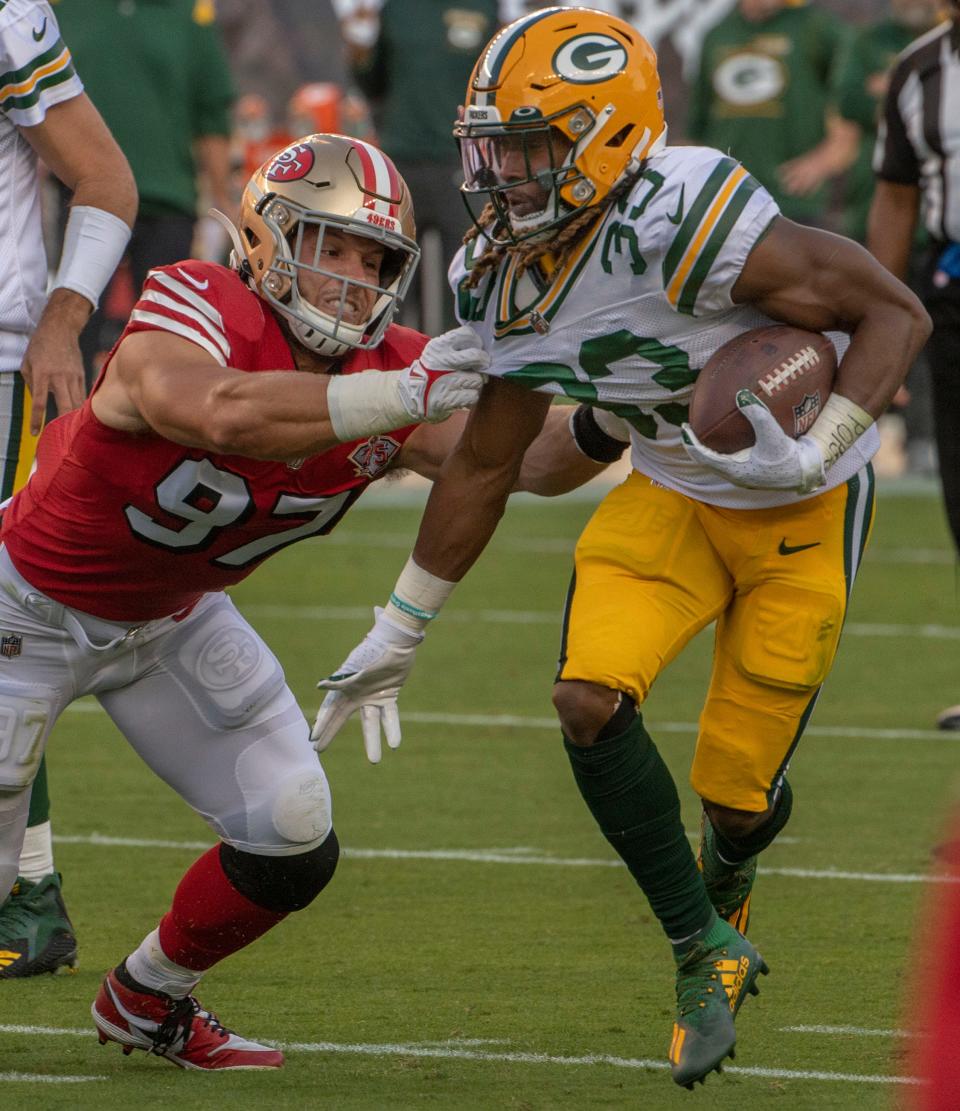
[39, 797]
[631, 794]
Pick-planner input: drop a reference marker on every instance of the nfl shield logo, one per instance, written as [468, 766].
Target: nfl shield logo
[806, 413]
[10, 645]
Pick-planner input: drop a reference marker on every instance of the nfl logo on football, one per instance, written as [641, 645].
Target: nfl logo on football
[806, 413]
[10, 645]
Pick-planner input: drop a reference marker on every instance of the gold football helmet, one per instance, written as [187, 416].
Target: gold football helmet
[565, 98]
[327, 182]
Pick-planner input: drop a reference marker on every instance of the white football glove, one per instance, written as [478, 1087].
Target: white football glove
[446, 377]
[369, 679]
[773, 462]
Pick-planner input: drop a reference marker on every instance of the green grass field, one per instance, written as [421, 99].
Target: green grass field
[480, 946]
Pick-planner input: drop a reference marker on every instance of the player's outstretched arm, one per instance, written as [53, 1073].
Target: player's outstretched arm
[462, 512]
[160, 381]
[74, 142]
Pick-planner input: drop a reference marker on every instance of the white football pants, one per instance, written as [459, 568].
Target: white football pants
[202, 700]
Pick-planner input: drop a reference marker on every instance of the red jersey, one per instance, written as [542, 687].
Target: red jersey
[131, 527]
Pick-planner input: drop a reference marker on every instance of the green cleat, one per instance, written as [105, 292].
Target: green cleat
[711, 985]
[728, 885]
[35, 933]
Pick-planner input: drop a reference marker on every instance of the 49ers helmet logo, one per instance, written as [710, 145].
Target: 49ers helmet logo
[290, 164]
[589, 58]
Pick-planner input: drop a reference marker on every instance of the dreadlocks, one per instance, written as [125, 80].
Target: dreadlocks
[561, 246]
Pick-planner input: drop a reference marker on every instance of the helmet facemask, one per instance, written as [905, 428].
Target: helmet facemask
[332, 330]
[524, 170]
[296, 211]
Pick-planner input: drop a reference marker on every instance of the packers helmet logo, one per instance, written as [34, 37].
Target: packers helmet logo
[589, 58]
[291, 164]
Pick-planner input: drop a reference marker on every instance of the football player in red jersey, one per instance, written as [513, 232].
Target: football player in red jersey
[243, 409]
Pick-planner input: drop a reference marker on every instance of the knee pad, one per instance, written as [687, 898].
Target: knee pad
[763, 835]
[302, 810]
[282, 884]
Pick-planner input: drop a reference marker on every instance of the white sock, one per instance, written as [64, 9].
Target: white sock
[36, 856]
[151, 967]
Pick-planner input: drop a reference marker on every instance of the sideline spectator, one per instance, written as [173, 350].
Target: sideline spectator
[414, 102]
[761, 94]
[44, 112]
[158, 73]
[917, 164]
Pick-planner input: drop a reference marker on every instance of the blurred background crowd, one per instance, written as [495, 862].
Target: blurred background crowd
[199, 92]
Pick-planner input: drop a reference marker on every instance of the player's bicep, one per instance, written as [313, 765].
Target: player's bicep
[810, 278]
[167, 381]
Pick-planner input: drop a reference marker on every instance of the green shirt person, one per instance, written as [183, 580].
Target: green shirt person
[157, 71]
[762, 91]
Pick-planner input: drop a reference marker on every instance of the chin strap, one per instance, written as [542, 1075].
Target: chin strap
[237, 256]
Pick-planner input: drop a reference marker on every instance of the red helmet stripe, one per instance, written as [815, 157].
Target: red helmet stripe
[379, 176]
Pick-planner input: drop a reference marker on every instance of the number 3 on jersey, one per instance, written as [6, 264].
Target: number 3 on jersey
[208, 500]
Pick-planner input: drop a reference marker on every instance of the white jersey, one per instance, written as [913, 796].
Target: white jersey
[36, 72]
[637, 311]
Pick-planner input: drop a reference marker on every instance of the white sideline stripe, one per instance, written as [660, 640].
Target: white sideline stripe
[43, 1078]
[431, 1050]
[505, 856]
[859, 1031]
[516, 721]
[551, 617]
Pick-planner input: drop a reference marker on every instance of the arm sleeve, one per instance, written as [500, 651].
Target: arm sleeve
[36, 68]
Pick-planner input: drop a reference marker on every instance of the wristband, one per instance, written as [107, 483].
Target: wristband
[593, 441]
[417, 597]
[841, 423]
[93, 244]
[365, 404]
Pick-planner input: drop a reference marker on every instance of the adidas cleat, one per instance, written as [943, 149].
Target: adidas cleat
[728, 885]
[36, 935]
[711, 986]
[178, 1029]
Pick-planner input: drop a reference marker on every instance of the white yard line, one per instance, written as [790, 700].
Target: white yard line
[519, 721]
[552, 618]
[44, 1078]
[462, 1052]
[506, 856]
[856, 1031]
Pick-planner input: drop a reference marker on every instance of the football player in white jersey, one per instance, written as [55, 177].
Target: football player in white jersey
[45, 113]
[608, 267]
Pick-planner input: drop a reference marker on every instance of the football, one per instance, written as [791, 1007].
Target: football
[790, 369]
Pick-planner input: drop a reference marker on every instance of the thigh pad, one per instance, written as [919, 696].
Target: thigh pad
[224, 667]
[26, 715]
[785, 635]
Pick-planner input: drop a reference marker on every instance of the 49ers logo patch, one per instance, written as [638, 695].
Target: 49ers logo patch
[291, 164]
[373, 456]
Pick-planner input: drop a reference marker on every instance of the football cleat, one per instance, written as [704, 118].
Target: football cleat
[178, 1029]
[36, 934]
[711, 986]
[728, 885]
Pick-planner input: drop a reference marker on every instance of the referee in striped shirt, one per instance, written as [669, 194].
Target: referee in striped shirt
[917, 164]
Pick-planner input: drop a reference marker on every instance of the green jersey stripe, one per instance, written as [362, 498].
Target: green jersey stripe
[23, 74]
[694, 217]
[14, 436]
[22, 103]
[714, 244]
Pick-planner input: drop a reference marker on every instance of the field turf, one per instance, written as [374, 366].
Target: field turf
[480, 946]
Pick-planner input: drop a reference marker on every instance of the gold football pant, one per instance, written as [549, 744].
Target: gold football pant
[654, 567]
